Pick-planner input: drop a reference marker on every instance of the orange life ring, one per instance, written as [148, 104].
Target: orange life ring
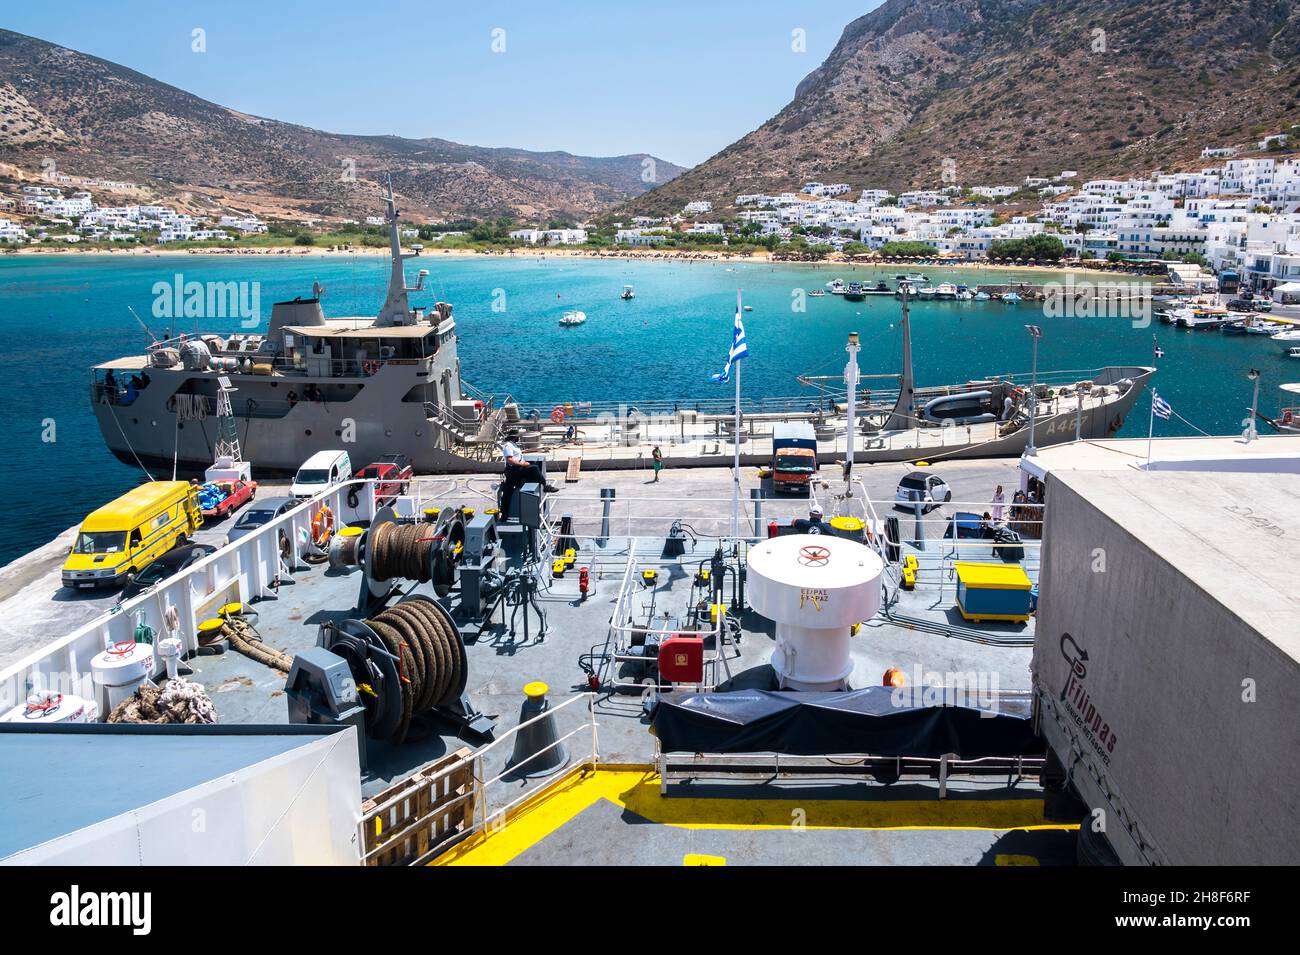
[894, 677]
[322, 526]
[557, 414]
[370, 367]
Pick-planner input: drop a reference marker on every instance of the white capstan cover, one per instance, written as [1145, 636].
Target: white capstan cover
[814, 580]
[814, 587]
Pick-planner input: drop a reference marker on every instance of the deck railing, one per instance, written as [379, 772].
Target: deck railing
[252, 566]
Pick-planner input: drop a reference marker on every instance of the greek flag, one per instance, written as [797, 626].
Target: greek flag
[1160, 352]
[738, 350]
[1160, 408]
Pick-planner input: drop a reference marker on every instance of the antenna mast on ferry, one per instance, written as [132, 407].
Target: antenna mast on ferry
[397, 308]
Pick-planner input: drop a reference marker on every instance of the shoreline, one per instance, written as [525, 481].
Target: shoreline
[647, 255]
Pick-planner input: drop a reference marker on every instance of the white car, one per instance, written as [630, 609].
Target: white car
[323, 469]
[933, 490]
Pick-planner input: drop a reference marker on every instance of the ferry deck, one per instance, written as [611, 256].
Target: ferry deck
[616, 798]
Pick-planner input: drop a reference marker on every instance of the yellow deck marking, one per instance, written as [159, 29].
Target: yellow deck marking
[692, 858]
[1001, 859]
[636, 789]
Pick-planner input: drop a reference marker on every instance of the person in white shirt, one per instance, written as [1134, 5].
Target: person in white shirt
[517, 471]
[996, 506]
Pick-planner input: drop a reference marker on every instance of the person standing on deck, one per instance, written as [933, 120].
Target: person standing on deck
[996, 506]
[658, 462]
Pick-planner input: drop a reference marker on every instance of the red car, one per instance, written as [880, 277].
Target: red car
[391, 479]
[237, 494]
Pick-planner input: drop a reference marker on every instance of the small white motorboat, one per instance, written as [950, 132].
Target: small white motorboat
[945, 290]
[573, 318]
[1288, 339]
[628, 293]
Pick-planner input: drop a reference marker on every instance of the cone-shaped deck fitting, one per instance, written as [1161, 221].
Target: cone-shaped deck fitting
[528, 758]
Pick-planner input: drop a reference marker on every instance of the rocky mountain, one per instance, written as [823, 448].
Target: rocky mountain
[921, 93]
[93, 118]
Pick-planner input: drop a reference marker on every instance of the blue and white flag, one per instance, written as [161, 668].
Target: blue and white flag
[1160, 352]
[738, 349]
[1160, 408]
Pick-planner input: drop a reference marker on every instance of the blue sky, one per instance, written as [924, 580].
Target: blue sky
[677, 78]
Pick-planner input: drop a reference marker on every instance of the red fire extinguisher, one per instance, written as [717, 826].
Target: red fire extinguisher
[584, 582]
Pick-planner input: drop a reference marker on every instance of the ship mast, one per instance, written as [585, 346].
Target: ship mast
[397, 308]
[904, 414]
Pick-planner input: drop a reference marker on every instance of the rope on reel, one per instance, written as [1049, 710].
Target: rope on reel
[418, 664]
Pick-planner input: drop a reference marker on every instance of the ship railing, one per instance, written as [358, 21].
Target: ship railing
[251, 567]
[490, 788]
[776, 768]
[624, 631]
[616, 532]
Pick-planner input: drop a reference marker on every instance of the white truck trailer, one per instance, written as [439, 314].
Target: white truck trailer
[1166, 665]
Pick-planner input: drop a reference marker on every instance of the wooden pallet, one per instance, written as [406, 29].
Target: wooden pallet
[572, 475]
[426, 814]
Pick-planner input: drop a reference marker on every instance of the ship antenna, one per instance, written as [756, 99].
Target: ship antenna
[397, 308]
[147, 330]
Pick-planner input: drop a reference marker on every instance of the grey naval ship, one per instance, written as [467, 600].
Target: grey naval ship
[392, 383]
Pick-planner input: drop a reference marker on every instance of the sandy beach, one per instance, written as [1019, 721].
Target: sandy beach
[760, 257]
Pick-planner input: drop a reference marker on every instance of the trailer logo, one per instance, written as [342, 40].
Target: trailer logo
[1079, 702]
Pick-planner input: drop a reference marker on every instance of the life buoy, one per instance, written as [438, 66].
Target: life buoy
[370, 367]
[1286, 416]
[557, 414]
[322, 526]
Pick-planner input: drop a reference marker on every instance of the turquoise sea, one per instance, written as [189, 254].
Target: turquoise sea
[60, 315]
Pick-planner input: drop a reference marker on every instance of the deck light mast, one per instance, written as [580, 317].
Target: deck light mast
[851, 382]
[1035, 333]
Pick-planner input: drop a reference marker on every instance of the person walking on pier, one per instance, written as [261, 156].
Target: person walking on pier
[996, 506]
[658, 462]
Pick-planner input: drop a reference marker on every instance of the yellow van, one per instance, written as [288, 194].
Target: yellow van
[117, 540]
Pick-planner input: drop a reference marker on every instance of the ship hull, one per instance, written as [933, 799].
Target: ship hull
[148, 435]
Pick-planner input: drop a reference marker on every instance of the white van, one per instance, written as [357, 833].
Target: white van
[319, 471]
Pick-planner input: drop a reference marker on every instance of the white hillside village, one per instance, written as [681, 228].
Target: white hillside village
[74, 217]
[1241, 216]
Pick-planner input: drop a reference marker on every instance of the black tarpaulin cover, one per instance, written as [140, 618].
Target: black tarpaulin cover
[876, 721]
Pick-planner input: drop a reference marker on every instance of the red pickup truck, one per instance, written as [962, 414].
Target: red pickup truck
[237, 494]
[392, 475]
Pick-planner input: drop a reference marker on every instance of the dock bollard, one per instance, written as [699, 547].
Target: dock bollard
[528, 758]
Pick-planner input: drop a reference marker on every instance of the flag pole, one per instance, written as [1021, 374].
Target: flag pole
[1151, 425]
[735, 495]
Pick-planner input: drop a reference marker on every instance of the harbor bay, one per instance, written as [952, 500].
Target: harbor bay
[662, 345]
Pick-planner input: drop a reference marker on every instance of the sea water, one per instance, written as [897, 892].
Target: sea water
[59, 315]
